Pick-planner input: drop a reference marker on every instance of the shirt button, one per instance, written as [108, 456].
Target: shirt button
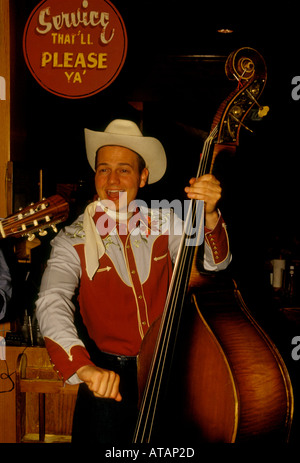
[133, 272]
[140, 296]
[144, 323]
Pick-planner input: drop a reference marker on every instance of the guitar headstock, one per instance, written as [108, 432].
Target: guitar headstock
[35, 218]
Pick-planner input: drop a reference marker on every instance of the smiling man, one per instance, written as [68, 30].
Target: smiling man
[119, 176]
[122, 269]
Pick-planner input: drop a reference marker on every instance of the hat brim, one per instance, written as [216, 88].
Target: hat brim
[150, 149]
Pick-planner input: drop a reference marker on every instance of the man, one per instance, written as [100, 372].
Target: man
[120, 256]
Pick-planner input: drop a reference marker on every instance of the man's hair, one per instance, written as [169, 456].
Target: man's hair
[141, 163]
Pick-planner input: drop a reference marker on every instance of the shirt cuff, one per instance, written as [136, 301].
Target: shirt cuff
[217, 240]
[67, 363]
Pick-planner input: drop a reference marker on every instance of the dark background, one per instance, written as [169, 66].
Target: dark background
[175, 66]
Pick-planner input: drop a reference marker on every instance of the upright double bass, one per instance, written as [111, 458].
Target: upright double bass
[207, 371]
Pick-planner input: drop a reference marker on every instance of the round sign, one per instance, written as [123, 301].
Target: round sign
[75, 48]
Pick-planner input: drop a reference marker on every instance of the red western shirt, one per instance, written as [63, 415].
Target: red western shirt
[126, 293]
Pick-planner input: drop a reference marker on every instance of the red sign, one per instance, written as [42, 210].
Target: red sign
[75, 48]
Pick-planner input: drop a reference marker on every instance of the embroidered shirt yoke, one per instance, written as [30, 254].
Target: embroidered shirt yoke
[124, 293]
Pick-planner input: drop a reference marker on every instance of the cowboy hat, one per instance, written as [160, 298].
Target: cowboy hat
[127, 134]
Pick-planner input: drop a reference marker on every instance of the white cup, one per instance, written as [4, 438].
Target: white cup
[278, 269]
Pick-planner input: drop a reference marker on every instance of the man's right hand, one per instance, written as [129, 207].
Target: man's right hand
[103, 383]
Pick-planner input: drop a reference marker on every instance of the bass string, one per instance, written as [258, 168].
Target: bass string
[167, 333]
[189, 224]
[202, 169]
[153, 385]
[155, 375]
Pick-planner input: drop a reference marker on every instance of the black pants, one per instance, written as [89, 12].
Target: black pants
[104, 421]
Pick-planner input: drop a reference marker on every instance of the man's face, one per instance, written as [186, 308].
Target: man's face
[117, 173]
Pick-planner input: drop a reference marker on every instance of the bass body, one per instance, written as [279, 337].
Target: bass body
[207, 371]
[227, 381]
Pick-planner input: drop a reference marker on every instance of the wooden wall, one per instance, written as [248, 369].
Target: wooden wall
[4, 104]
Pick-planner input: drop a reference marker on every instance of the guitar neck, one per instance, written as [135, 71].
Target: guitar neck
[35, 218]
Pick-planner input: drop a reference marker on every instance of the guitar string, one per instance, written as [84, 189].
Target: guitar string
[164, 336]
[19, 216]
[26, 212]
[31, 213]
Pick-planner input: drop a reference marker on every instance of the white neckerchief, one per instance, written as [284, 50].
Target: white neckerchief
[94, 247]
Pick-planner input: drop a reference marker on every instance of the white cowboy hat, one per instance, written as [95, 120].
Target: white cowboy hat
[127, 134]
